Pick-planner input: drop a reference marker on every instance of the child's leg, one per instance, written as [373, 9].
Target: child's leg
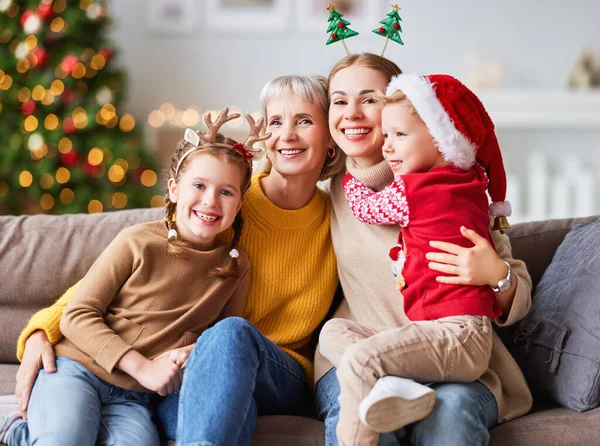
[127, 419]
[338, 334]
[64, 408]
[450, 349]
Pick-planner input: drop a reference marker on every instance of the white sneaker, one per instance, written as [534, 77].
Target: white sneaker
[8, 403]
[394, 403]
[6, 421]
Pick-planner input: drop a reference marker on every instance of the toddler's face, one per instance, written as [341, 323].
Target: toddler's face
[408, 147]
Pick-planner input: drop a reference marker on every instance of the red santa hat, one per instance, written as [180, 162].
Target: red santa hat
[460, 127]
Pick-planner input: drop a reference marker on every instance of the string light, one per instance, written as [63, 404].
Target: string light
[127, 123]
[119, 200]
[46, 181]
[6, 82]
[59, 6]
[95, 156]
[157, 201]
[95, 207]
[25, 178]
[57, 87]
[3, 188]
[47, 202]
[116, 174]
[62, 175]
[38, 93]
[156, 118]
[98, 62]
[148, 178]
[48, 98]
[78, 70]
[30, 123]
[24, 94]
[23, 65]
[65, 145]
[57, 25]
[51, 122]
[67, 196]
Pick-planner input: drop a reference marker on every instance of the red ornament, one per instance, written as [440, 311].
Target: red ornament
[44, 11]
[69, 126]
[91, 171]
[69, 62]
[28, 13]
[396, 26]
[41, 56]
[340, 25]
[69, 159]
[67, 96]
[28, 108]
[382, 30]
[334, 36]
[107, 52]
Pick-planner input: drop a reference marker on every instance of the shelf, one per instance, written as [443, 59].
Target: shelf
[543, 109]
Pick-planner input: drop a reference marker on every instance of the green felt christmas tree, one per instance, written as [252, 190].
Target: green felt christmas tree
[66, 145]
[391, 28]
[338, 28]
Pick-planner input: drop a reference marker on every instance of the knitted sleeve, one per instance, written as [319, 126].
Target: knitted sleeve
[83, 321]
[522, 300]
[47, 319]
[387, 207]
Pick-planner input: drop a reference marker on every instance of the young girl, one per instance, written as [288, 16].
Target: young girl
[146, 300]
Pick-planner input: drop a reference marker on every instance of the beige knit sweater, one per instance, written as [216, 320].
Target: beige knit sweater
[138, 295]
[372, 298]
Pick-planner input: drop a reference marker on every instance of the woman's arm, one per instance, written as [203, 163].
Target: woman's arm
[47, 320]
[484, 265]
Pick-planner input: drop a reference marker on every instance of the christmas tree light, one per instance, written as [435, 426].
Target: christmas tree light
[65, 142]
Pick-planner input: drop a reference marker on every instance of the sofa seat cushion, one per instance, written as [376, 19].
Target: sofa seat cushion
[553, 427]
[558, 342]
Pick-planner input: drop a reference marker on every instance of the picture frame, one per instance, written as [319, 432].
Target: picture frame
[171, 17]
[363, 15]
[262, 16]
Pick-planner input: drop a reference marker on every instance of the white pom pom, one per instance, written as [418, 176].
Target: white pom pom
[501, 208]
[234, 253]
[172, 234]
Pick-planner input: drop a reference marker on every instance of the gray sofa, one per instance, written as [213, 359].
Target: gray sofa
[41, 256]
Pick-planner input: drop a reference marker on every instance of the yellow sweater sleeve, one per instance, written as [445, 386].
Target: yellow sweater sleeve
[47, 319]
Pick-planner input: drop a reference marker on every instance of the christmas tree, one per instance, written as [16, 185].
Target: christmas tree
[65, 144]
[391, 28]
[338, 27]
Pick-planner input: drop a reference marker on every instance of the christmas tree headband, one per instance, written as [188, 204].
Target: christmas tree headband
[339, 30]
[209, 138]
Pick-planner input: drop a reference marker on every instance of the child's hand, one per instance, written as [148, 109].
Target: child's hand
[478, 265]
[178, 355]
[161, 375]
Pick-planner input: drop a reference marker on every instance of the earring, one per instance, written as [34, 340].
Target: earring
[331, 152]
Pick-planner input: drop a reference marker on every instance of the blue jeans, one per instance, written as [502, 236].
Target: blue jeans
[233, 375]
[463, 415]
[74, 407]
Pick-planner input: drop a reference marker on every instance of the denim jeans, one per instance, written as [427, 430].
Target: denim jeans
[463, 415]
[233, 375]
[74, 407]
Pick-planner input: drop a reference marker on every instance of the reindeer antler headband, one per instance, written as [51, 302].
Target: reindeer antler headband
[246, 149]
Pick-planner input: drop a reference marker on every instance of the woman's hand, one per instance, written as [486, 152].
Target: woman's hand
[478, 265]
[38, 354]
[178, 355]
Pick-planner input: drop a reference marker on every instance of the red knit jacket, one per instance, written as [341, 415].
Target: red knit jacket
[431, 206]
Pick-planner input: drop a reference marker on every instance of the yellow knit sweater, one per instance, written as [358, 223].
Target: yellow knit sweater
[293, 275]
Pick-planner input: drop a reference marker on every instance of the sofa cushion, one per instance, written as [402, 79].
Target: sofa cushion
[42, 255]
[558, 342]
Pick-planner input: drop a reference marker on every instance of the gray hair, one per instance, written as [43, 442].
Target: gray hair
[311, 89]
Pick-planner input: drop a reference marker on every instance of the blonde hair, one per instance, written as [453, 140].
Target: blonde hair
[223, 154]
[398, 97]
[368, 60]
[311, 89]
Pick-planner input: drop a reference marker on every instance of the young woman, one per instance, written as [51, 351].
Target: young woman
[463, 413]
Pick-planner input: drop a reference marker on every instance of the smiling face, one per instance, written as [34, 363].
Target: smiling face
[408, 145]
[300, 136]
[208, 195]
[355, 115]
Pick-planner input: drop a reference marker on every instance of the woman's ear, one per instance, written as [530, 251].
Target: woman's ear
[172, 187]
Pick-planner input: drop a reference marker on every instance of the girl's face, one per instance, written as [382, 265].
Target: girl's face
[300, 136]
[355, 115]
[208, 196]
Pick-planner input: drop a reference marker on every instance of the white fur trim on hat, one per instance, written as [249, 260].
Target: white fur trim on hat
[501, 208]
[455, 146]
